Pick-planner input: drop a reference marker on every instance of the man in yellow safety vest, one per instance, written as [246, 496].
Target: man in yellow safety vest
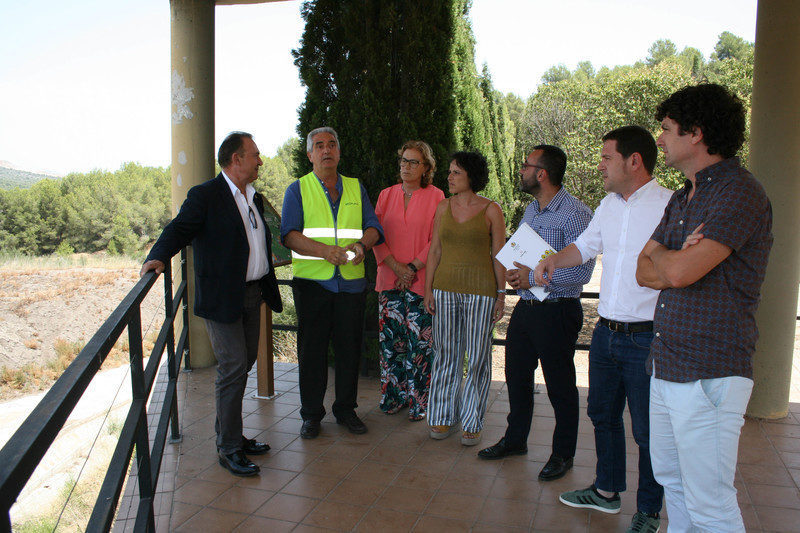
[329, 224]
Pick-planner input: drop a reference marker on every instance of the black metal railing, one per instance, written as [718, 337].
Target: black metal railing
[26, 448]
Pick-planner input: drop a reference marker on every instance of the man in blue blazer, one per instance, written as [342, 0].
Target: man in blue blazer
[223, 220]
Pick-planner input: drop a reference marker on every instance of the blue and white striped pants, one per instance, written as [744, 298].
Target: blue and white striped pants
[462, 325]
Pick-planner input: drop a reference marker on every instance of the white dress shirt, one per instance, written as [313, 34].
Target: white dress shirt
[619, 230]
[257, 264]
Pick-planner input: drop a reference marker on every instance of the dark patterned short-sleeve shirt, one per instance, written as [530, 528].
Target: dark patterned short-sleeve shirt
[708, 329]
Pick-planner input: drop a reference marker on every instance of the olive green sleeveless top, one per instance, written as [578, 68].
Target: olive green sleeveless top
[466, 263]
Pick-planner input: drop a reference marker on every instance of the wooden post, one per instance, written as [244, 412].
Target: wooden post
[265, 373]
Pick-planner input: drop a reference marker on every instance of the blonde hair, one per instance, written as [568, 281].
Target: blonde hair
[427, 156]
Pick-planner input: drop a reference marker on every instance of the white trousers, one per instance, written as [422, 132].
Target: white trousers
[462, 325]
[694, 442]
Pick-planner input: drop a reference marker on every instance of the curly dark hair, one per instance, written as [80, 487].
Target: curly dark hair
[476, 167]
[714, 109]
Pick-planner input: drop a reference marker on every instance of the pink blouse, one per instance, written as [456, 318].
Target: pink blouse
[407, 232]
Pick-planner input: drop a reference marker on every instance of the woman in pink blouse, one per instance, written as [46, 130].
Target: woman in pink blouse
[406, 213]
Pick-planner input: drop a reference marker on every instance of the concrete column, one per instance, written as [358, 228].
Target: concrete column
[775, 161]
[192, 52]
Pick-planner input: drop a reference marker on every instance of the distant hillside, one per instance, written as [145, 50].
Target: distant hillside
[11, 177]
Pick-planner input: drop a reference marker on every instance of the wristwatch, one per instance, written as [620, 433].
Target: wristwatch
[412, 267]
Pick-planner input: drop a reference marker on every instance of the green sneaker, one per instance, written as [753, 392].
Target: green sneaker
[644, 523]
[590, 499]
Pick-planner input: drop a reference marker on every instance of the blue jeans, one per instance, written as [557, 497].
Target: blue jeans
[616, 372]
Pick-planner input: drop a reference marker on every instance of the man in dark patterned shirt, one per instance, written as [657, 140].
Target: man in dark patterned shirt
[709, 256]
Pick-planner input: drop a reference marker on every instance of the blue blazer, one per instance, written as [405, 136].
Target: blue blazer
[210, 221]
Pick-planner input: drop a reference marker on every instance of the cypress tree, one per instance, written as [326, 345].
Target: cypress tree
[381, 72]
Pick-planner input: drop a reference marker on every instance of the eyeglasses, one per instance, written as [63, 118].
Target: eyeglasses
[410, 162]
[252, 215]
[526, 166]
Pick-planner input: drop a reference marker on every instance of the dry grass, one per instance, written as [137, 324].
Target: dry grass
[17, 262]
[36, 377]
[77, 496]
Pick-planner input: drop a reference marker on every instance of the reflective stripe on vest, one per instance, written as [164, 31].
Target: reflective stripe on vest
[318, 225]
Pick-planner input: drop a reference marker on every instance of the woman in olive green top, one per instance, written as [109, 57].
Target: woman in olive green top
[465, 293]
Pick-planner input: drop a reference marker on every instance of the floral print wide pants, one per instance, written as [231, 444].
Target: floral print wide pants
[406, 352]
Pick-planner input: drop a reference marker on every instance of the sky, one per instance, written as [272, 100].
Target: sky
[86, 84]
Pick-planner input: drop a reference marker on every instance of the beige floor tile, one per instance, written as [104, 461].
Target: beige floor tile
[395, 478]
[760, 474]
[467, 484]
[330, 466]
[241, 499]
[482, 527]
[521, 489]
[199, 492]
[603, 522]
[413, 477]
[268, 479]
[287, 507]
[772, 496]
[437, 524]
[513, 513]
[455, 506]
[559, 518]
[355, 492]
[259, 524]
[778, 519]
[405, 499]
[181, 512]
[288, 460]
[310, 485]
[212, 521]
[338, 515]
[374, 473]
[386, 520]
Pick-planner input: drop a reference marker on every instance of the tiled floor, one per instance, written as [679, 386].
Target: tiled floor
[395, 478]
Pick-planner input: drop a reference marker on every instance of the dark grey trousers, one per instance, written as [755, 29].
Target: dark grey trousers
[235, 346]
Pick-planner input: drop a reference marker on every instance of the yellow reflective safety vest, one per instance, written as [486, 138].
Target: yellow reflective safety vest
[319, 225]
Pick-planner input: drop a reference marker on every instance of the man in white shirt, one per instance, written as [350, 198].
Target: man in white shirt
[223, 220]
[622, 224]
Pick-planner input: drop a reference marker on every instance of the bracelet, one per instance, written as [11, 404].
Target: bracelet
[363, 248]
[501, 291]
[412, 267]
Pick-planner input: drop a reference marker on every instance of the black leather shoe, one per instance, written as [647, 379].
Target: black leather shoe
[555, 468]
[238, 464]
[310, 429]
[353, 423]
[500, 450]
[253, 447]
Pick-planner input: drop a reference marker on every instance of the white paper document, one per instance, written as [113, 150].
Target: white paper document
[526, 247]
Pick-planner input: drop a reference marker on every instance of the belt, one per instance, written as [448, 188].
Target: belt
[627, 327]
[251, 283]
[548, 301]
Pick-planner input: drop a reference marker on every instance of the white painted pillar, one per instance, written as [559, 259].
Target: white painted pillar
[775, 161]
[192, 53]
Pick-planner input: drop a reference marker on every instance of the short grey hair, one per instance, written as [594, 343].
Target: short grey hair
[323, 129]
